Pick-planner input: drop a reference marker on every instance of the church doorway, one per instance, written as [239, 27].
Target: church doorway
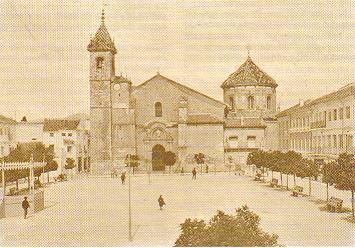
[158, 152]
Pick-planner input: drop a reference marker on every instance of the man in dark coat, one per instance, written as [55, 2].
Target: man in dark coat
[161, 202]
[123, 177]
[194, 174]
[25, 206]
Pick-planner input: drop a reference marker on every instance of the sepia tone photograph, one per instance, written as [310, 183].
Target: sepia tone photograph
[172, 123]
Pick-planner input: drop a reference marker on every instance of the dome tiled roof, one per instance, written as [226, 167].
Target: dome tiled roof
[249, 74]
[102, 41]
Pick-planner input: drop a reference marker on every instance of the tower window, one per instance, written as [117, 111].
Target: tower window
[158, 109]
[268, 102]
[99, 62]
[250, 102]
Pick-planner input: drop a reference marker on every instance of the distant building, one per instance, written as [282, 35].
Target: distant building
[7, 135]
[69, 139]
[29, 131]
[321, 128]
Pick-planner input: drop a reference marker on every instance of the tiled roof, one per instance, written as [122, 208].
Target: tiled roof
[182, 87]
[203, 119]
[245, 123]
[249, 74]
[52, 125]
[4, 119]
[121, 79]
[102, 41]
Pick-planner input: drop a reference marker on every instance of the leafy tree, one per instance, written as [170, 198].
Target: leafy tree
[69, 164]
[308, 168]
[241, 229]
[344, 175]
[169, 159]
[328, 171]
[200, 159]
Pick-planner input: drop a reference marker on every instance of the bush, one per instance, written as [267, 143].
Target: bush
[241, 229]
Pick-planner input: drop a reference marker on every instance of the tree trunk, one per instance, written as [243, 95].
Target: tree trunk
[327, 191]
[28, 183]
[294, 179]
[17, 184]
[272, 174]
[48, 177]
[352, 201]
[263, 174]
[287, 181]
[310, 186]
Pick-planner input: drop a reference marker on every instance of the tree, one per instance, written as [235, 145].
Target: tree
[241, 229]
[328, 171]
[200, 159]
[69, 164]
[169, 159]
[308, 168]
[344, 176]
[293, 164]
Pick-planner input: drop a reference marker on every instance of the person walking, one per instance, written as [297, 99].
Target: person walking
[161, 202]
[25, 206]
[123, 177]
[194, 174]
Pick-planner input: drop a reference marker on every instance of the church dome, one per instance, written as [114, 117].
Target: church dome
[249, 74]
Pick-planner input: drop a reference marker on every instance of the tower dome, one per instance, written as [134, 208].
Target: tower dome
[249, 74]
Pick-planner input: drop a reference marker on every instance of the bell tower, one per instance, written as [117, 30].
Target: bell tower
[102, 71]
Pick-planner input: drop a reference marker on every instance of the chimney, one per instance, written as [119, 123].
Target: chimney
[24, 119]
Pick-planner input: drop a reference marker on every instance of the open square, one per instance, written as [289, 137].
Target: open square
[93, 211]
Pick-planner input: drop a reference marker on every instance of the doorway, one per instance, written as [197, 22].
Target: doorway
[158, 152]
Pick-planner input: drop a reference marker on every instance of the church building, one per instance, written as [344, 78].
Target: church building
[162, 115]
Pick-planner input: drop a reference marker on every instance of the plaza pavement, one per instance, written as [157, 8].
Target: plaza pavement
[93, 211]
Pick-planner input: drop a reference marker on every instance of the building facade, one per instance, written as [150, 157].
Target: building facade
[69, 139]
[7, 135]
[162, 115]
[322, 128]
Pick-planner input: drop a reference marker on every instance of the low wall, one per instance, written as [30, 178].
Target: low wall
[13, 204]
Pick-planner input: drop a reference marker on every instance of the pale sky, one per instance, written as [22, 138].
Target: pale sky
[306, 46]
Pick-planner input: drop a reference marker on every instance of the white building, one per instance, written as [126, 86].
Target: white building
[322, 128]
[7, 135]
[29, 131]
[69, 139]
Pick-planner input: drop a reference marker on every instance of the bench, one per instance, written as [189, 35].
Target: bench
[274, 182]
[257, 177]
[297, 190]
[334, 204]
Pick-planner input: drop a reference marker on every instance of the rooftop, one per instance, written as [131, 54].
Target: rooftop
[249, 74]
[52, 125]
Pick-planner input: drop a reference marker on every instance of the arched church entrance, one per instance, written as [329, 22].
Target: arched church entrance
[158, 152]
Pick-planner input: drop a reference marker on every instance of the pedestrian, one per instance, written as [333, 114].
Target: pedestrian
[161, 202]
[206, 168]
[194, 174]
[123, 177]
[25, 206]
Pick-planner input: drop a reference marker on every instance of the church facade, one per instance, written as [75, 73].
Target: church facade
[162, 115]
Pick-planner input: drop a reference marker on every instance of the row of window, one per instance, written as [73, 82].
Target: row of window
[340, 141]
[233, 141]
[251, 102]
[63, 134]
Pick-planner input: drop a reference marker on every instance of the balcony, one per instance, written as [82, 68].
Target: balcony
[318, 124]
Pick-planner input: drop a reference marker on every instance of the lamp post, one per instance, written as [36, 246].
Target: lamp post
[130, 238]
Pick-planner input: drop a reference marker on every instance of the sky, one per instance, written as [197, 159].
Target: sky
[306, 46]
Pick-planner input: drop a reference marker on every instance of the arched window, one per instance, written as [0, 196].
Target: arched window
[99, 62]
[250, 102]
[158, 109]
[268, 102]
